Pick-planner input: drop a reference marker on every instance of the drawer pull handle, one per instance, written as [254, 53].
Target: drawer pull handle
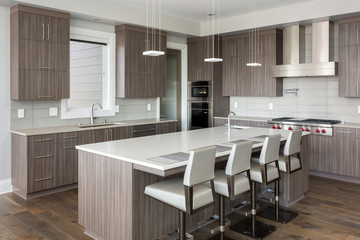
[70, 137]
[45, 156]
[48, 32]
[44, 140]
[43, 179]
[145, 130]
[344, 132]
[46, 67]
[43, 31]
[67, 148]
[45, 96]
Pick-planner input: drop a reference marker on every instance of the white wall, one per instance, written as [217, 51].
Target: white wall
[5, 140]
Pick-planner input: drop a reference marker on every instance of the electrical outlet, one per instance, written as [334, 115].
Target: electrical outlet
[236, 105]
[21, 113]
[149, 106]
[53, 112]
[117, 108]
[271, 106]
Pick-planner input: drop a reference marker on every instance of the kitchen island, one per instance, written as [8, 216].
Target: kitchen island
[113, 176]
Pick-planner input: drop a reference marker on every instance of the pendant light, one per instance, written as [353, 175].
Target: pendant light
[211, 21]
[253, 37]
[151, 50]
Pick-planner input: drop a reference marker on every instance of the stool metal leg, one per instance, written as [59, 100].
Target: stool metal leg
[277, 214]
[182, 226]
[251, 227]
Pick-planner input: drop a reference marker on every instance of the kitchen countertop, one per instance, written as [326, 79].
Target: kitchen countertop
[75, 128]
[246, 118]
[348, 124]
[153, 147]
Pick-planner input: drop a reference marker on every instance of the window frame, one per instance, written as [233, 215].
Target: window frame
[108, 80]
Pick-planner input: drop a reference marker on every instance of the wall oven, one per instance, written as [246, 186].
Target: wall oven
[200, 91]
[200, 115]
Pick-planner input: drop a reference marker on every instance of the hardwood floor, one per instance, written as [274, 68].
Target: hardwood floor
[331, 210]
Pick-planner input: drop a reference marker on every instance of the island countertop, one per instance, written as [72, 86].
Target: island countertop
[149, 152]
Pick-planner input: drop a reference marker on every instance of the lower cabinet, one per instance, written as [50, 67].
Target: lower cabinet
[338, 154]
[248, 123]
[43, 162]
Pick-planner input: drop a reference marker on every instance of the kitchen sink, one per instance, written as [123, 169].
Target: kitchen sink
[99, 124]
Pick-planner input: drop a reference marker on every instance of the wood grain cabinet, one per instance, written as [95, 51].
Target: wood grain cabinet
[322, 154]
[198, 49]
[166, 127]
[349, 57]
[248, 123]
[241, 80]
[346, 151]
[139, 76]
[40, 54]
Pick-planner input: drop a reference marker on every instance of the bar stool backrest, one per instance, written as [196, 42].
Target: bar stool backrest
[200, 167]
[292, 144]
[270, 149]
[239, 159]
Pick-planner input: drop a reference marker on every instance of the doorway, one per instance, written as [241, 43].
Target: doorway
[170, 106]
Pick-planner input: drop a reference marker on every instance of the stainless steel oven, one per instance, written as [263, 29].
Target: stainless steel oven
[200, 91]
[200, 115]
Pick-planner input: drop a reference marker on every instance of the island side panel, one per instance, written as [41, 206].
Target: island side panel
[153, 219]
[293, 186]
[105, 196]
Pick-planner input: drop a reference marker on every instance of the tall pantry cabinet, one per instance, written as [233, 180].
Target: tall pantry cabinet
[40, 53]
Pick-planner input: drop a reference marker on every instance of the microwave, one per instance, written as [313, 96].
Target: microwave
[200, 90]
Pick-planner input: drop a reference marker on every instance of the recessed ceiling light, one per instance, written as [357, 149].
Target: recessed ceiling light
[97, 19]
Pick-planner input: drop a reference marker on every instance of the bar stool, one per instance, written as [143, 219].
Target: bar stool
[234, 181]
[289, 162]
[188, 194]
[263, 172]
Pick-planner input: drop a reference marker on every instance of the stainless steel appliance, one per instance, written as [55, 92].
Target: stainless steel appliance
[314, 126]
[200, 91]
[200, 115]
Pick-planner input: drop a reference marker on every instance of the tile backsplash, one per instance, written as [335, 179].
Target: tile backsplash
[318, 97]
[37, 113]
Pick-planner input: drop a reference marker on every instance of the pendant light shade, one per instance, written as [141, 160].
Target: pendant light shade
[214, 13]
[150, 49]
[253, 37]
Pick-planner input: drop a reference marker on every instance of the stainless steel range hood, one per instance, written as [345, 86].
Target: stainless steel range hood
[294, 52]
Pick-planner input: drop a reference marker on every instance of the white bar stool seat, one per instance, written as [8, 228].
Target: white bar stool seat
[263, 172]
[189, 194]
[232, 181]
[289, 162]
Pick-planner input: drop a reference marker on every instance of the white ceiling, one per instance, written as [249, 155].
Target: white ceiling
[196, 10]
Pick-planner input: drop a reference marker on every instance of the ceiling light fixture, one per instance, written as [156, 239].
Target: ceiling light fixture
[211, 21]
[151, 50]
[253, 37]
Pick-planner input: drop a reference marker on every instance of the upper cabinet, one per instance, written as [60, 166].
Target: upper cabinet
[241, 80]
[40, 54]
[139, 76]
[349, 57]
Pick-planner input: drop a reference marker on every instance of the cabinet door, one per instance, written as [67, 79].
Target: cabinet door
[346, 151]
[59, 30]
[49, 84]
[348, 71]
[28, 54]
[192, 70]
[168, 127]
[230, 77]
[28, 26]
[27, 88]
[121, 133]
[43, 27]
[349, 34]
[41, 162]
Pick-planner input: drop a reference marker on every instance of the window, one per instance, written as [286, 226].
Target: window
[92, 74]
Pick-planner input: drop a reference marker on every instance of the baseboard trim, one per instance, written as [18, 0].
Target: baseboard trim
[335, 176]
[5, 186]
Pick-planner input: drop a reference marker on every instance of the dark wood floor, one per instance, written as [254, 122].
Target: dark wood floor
[331, 210]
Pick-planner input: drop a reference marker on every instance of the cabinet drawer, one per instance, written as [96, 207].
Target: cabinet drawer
[144, 130]
[70, 137]
[41, 146]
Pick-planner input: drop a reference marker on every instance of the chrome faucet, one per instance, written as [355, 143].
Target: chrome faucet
[92, 112]
[229, 119]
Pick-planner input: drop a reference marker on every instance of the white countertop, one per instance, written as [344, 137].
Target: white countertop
[74, 128]
[141, 150]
